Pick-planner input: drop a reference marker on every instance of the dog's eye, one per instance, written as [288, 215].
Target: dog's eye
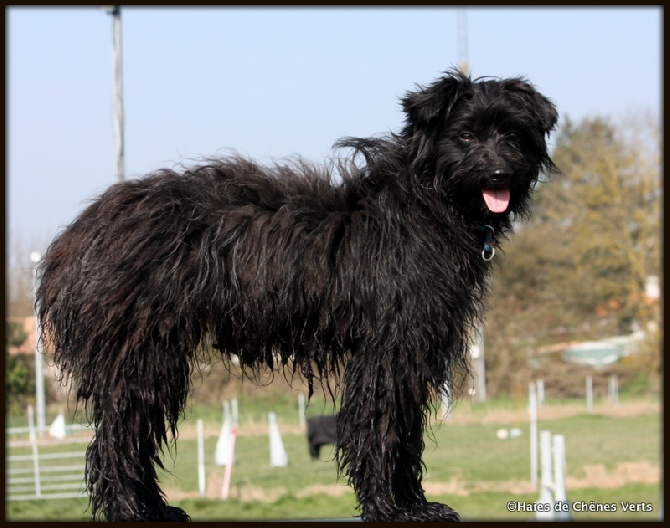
[513, 137]
[467, 136]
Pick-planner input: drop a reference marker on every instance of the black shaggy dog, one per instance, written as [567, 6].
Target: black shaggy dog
[374, 268]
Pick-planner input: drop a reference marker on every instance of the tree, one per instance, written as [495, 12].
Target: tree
[19, 282]
[593, 241]
[610, 185]
[19, 369]
[15, 334]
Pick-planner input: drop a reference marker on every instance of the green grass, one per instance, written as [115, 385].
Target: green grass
[591, 439]
[463, 455]
[476, 506]
[493, 505]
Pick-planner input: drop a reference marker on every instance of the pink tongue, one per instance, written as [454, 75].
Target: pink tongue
[497, 200]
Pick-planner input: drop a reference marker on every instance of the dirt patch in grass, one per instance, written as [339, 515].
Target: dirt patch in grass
[596, 477]
[461, 415]
[464, 415]
[626, 472]
[251, 493]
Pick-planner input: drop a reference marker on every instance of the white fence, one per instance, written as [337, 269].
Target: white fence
[53, 475]
[42, 471]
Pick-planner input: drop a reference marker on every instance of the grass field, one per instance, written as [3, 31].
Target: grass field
[612, 457]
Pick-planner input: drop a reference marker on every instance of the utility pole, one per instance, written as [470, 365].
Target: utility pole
[477, 357]
[481, 366]
[40, 392]
[463, 60]
[119, 162]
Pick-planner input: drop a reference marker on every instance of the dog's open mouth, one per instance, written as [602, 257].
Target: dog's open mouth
[497, 199]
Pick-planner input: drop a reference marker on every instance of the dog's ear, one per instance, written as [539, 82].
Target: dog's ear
[534, 102]
[425, 104]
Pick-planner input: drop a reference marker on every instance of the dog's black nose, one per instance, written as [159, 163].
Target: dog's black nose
[501, 174]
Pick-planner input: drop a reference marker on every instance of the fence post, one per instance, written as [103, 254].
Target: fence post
[225, 485]
[532, 408]
[301, 409]
[223, 451]
[614, 389]
[540, 392]
[546, 482]
[32, 431]
[559, 478]
[234, 413]
[445, 401]
[202, 482]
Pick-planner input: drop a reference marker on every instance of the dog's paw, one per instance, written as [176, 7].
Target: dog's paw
[175, 514]
[163, 514]
[429, 512]
[436, 511]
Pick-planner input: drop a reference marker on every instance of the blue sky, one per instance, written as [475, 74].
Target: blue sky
[271, 83]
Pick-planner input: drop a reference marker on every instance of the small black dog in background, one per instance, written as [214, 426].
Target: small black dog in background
[380, 277]
[321, 431]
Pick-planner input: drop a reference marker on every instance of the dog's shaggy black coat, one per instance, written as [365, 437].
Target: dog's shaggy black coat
[380, 277]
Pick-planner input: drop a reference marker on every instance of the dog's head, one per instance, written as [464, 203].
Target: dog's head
[482, 143]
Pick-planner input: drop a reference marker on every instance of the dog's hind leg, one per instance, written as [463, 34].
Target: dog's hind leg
[121, 303]
[380, 440]
[133, 405]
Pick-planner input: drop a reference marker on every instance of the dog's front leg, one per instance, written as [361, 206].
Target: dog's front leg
[380, 440]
